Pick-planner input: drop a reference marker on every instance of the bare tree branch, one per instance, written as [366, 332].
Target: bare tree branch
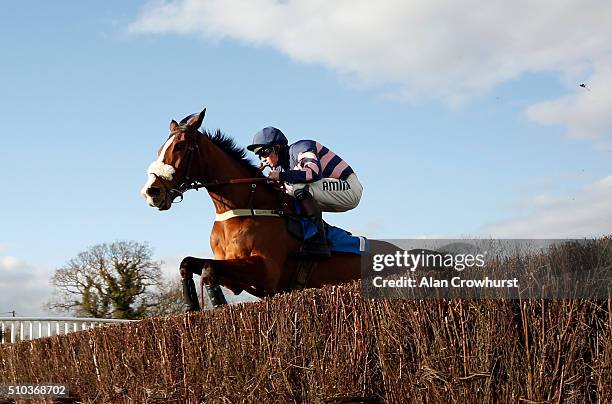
[108, 280]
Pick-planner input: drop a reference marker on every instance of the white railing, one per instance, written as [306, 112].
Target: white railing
[26, 328]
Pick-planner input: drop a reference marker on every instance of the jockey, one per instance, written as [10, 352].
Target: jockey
[317, 177]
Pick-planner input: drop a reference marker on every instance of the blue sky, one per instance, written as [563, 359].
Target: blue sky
[479, 128]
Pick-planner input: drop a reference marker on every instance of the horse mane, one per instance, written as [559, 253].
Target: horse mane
[229, 146]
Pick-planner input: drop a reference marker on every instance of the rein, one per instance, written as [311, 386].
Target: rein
[231, 213]
[196, 184]
[189, 184]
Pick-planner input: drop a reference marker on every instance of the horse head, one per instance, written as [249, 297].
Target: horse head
[174, 170]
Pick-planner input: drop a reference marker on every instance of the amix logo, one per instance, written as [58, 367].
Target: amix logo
[340, 185]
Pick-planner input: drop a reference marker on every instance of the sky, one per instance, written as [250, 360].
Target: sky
[460, 119]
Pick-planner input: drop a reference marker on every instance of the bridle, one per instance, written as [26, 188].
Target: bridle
[190, 182]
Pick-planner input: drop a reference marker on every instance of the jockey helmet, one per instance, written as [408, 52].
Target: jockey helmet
[269, 136]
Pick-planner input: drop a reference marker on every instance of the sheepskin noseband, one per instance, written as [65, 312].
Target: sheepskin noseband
[161, 170]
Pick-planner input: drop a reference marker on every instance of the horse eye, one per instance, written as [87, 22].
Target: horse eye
[179, 147]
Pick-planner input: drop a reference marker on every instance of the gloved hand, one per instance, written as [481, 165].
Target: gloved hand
[274, 175]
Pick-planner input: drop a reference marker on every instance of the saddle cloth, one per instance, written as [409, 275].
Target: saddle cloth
[339, 239]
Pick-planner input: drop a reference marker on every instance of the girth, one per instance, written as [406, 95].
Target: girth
[220, 217]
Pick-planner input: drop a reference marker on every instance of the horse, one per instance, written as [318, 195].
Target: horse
[253, 248]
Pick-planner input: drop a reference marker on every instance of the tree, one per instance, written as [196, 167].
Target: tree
[168, 298]
[114, 280]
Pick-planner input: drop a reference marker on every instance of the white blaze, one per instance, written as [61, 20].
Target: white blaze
[158, 169]
[144, 189]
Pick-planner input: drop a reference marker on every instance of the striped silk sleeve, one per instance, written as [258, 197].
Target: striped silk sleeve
[307, 169]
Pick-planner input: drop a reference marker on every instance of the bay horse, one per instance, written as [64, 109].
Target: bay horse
[253, 249]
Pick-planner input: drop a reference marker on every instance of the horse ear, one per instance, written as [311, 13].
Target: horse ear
[196, 119]
[173, 126]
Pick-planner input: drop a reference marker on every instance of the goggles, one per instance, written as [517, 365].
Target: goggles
[265, 151]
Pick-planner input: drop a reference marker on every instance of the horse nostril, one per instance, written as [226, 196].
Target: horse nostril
[153, 191]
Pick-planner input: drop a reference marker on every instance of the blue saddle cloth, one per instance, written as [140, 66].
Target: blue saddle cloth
[339, 239]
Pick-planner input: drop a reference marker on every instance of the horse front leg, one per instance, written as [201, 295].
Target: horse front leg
[188, 267]
[235, 274]
[202, 267]
[209, 285]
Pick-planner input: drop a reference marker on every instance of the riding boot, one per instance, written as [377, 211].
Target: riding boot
[316, 246]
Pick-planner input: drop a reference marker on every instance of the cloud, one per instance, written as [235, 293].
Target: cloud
[588, 213]
[587, 112]
[423, 49]
[25, 287]
[9, 263]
